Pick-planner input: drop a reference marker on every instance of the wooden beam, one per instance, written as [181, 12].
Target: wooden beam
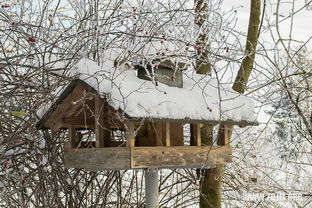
[195, 135]
[78, 121]
[71, 136]
[167, 130]
[225, 133]
[130, 134]
[97, 158]
[146, 157]
[66, 105]
[55, 125]
[102, 132]
[179, 156]
[157, 133]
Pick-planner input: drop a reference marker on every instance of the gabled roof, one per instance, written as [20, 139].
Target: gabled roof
[201, 100]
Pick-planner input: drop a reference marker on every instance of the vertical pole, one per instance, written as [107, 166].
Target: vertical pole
[195, 135]
[99, 125]
[167, 130]
[151, 188]
[130, 134]
[72, 136]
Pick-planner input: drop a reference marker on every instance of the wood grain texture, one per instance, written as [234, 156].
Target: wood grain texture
[179, 156]
[97, 158]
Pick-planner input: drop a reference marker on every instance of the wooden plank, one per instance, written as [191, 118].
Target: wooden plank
[71, 135]
[97, 158]
[195, 135]
[130, 134]
[99, 124]
[102, 132]
[68, 103]
[179, 156]
[157, 134]
[225, 133]
[176, 134]
[167, 130]
[78, 121]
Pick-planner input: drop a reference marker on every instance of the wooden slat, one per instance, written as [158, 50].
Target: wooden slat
[195, 135]
[167, 130]
[179, 156]
[71, 135]
[97, 158]
[130, 134]
[99, 122]
[157, 133]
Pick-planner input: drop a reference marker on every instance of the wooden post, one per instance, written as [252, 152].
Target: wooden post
[225, 133]
[167, 130]
[101, 131]
[195, 135]
[71, 135]
[130, 134]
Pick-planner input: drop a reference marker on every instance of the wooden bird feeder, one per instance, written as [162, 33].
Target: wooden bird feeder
[106, 136]
[117, 141]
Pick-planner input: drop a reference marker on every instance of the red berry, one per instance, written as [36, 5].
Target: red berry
[198, 48]
[19, 76]
[74, 150]
[6, 163]
[4, 6]
[19, 141]
[173, 78]
[32, 39]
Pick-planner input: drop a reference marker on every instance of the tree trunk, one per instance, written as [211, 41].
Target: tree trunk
[211, 179]
[250, 50]
[203, 65]
[210, 187]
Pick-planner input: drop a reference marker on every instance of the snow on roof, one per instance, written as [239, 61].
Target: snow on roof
[201, 98]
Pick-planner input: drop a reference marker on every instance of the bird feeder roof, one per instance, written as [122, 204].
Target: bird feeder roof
[201, 100]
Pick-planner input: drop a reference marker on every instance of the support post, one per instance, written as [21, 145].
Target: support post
[151, 188]
[195, 135]
[72, 135]
[130, 134]
[167, 130]
[225, 133]
[102, 133]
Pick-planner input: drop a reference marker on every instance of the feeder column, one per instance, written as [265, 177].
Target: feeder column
[151, 188]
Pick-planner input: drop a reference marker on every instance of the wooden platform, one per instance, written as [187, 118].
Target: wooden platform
[146, 157]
